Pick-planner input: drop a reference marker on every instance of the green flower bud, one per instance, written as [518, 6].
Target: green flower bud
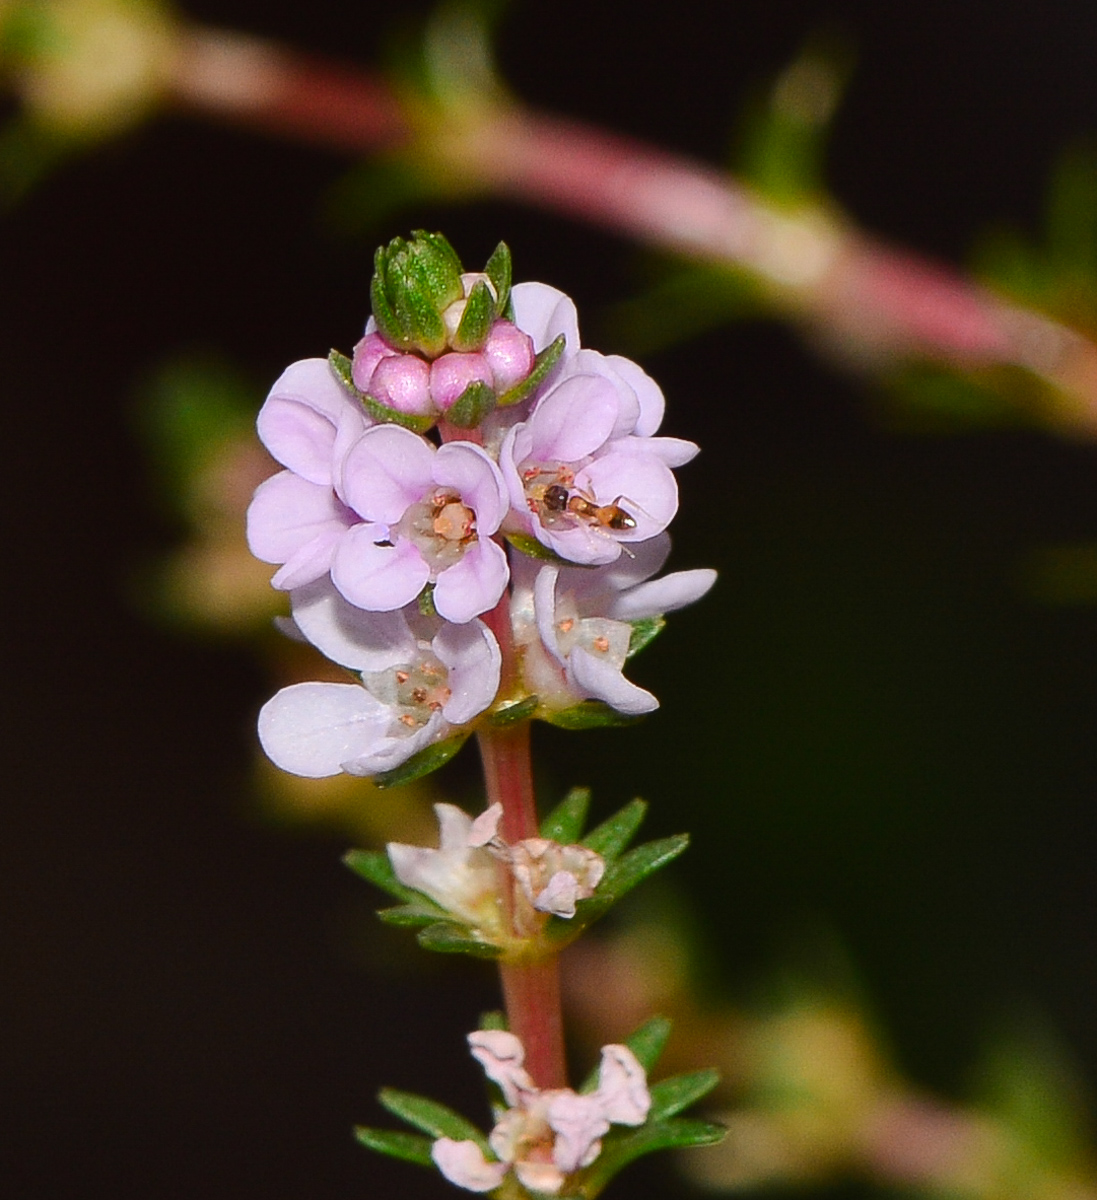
[424, 301]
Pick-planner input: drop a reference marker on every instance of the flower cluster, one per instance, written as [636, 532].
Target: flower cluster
[543, 1136]
[463, 876]
[470, 461]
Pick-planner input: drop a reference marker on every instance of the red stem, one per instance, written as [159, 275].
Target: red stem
[531, 991]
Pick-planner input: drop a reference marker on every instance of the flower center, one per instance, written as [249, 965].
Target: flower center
[416, 690]
[442, 527]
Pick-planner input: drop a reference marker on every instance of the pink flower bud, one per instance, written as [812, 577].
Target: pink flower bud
[367, 354]
[509, 353]
[402, 382]
[452, 373]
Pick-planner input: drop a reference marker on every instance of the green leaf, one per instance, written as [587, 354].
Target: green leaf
[431, 1117]
[343, 369]
[391, 326]
[519, 710]
[618, 1152]
[590, 714]
[670, 1096]
[498, 270]
[449, 938]
[644, 632]
[494, 1019]
[542, 366]
[427, 760]
[648, 1041]
[472, 406]
[635, 866]
[532, 548]
[476, 321]
[411, 1147]
[615, 833]
[410, 915]
[374, 866]
[565, 823]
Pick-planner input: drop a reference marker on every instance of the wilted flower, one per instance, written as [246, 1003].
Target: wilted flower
[544, 1135]
[468, 871]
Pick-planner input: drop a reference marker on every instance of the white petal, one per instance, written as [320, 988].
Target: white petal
[314, 729]
[501, 1055]
[472, 659]
[578, 1122]
[599, 679]
[464, 1164]
[659, 596]
[348, 635]
[486, 825]
[544, 312]
[622, 1087]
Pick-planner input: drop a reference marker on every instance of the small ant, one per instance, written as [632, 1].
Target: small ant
[610, 516]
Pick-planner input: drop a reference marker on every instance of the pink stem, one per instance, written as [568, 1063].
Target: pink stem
[881, 304]
[531, 991]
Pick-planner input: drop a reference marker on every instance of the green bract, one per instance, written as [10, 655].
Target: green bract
[415, 282]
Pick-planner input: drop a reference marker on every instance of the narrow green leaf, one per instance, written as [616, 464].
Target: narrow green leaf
[413, 289]
[374, 866]
[472, 406]
[520, 710]
[590, 714]
[615, 833]
[648, 1041]
[670, 1096]
[411, 1147]
[565, 823]
[635, 866]
[617, 1153]
[411, 915]
[476, 321]
[542, 366]
[431, 1117]
[498, 270]
[644, 633]
[449, 938]
[450, 263]
[389, 324]
[423, 763]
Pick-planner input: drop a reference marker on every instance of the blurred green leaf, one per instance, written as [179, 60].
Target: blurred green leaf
[618, 1150]
[615, 833]
[670, 1096]
[448, 938]
[431, 1117]
[411, 1147]
[564, 823]
[635, 866]
[374, 866]
[649, 1040]
[590, 714]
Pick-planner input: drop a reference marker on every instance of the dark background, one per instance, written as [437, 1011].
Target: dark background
[868, 725]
